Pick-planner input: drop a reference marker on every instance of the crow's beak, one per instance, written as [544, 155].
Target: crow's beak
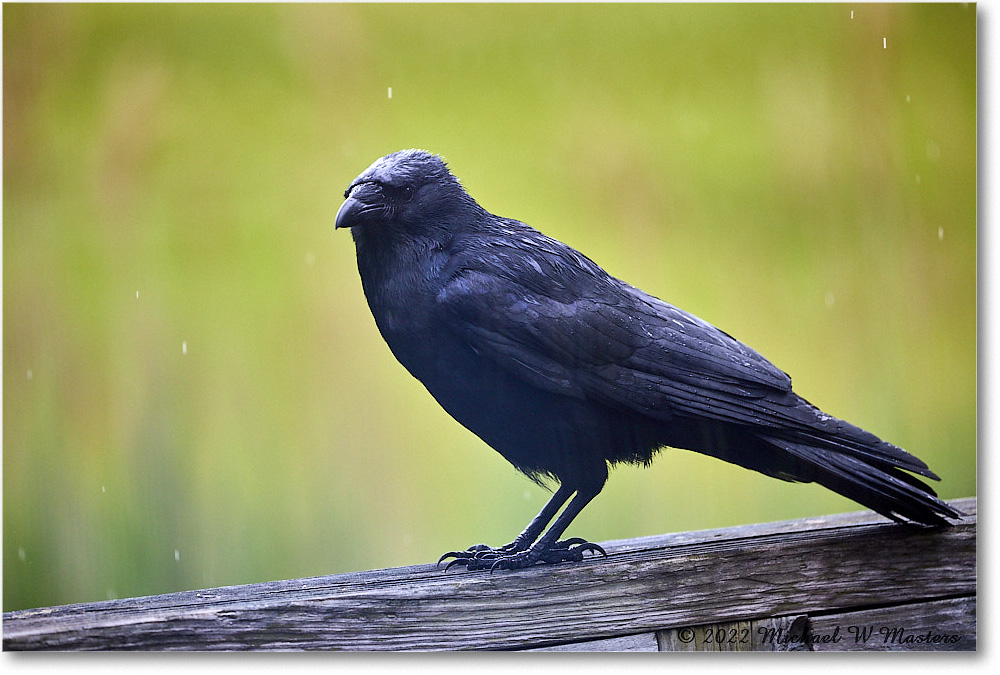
[347, 212]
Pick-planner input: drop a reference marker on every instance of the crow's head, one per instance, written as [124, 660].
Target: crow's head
[407, 189]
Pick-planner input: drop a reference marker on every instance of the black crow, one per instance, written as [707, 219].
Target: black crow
[566, 370]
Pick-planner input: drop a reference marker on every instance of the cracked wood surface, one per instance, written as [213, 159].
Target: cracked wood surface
[638, 598]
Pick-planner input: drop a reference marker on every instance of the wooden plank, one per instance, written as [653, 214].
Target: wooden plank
[657, 583]
[945, 625]
[780, 634]
[643, 642]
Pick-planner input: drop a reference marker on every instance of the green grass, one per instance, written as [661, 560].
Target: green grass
[771, 168]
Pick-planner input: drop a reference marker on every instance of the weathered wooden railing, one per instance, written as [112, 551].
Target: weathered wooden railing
[843, 582]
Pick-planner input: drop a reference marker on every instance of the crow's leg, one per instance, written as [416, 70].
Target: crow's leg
[522, 541]
[547, 549]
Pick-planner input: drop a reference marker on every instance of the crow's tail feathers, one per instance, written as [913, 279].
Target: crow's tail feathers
[870, 474]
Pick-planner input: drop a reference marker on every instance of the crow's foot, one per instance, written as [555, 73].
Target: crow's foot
[513, 557]
[481, 551]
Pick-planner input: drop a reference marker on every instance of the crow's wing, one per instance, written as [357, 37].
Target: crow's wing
[552, 317]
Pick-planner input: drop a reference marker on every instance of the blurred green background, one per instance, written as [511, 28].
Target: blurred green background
[194, 392]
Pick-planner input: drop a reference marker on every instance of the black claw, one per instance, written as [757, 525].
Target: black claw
[511, 557]
[456, 561]
[450, 554]
[474, 558]
[472, 553]
[593, 548]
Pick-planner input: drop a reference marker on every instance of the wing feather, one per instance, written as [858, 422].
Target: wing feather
[549, 315]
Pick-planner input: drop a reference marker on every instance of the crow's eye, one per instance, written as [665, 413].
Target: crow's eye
[398, 193]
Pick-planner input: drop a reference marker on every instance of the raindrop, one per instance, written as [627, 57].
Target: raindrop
[177, 555]
[310, 259]
[933, 151]
[828, 299]
[184, 347]
[137, 295]
[390, 92]
[21, 555]
[907, 98]
[29, 373]
[940, 233]
[103, 491]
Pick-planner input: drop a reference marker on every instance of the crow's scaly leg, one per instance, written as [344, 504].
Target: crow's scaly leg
[547, 548]
[523, 540]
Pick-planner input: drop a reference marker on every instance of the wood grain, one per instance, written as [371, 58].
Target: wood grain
[944, 625]
[840, 563]
[780, 634]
